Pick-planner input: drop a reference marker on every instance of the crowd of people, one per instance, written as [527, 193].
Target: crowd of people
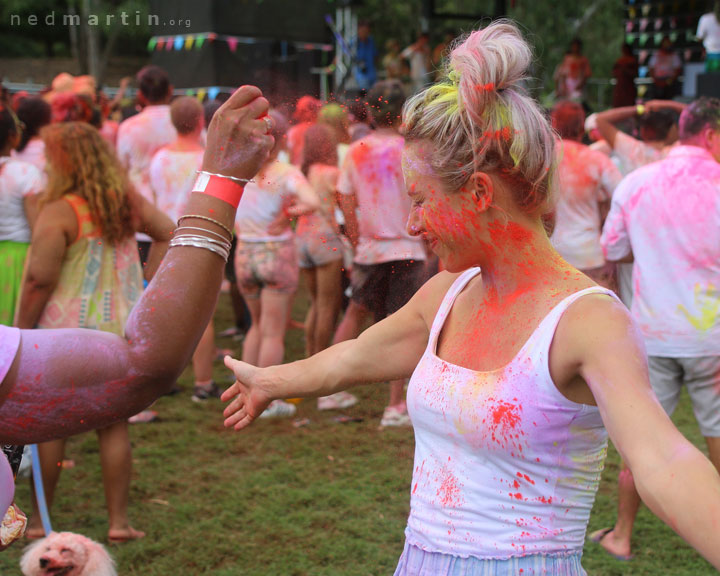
[514, 264]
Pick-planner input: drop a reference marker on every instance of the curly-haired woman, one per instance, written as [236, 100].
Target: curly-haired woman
[84, 272]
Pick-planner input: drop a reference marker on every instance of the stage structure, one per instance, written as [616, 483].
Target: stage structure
[649, 21]
[212, 47]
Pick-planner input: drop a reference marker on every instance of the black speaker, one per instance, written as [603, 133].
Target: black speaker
[708, 85]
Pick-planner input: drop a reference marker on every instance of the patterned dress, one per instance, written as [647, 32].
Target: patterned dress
[99, 282]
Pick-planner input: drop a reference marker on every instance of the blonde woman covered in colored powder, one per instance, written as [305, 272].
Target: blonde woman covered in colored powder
[521, 366]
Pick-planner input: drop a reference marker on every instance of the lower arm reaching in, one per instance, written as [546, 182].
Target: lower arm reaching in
[685, 494]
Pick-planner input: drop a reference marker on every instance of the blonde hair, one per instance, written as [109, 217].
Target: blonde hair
[80, 162]
[479, 118]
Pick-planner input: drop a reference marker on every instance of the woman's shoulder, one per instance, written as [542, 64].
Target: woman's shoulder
[429, 297]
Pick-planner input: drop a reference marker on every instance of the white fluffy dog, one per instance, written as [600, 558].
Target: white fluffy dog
[67, 554]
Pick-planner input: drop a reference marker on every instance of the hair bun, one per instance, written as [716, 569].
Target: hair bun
[489, 61]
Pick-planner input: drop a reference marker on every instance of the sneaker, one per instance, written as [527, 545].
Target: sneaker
[394, 417]
[337, 401]
[234, 332]
[279, 409]
[201, 393]
[143, 417]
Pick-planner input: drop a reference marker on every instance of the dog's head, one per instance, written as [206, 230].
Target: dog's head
[66, 554]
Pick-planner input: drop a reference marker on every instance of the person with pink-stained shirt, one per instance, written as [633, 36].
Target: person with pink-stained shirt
[586, 181]
[306, 113]
[388, 266]
[656, 121]
[173, 171]
[141, 136]
[665, 218]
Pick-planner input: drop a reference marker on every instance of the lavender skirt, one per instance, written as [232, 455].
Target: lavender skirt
[417, 562]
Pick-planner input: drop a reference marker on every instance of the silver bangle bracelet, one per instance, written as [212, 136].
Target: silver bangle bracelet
[200, 230]
[223, 243]
[190, 243]
[224, 253]
[233, 178]
[207, 219]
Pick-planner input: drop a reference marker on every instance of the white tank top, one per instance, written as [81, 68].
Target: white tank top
[505, 465]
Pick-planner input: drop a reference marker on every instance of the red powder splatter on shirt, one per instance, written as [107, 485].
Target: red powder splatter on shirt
[450, 489]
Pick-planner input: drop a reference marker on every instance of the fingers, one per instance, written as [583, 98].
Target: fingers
[242, 370]
[231, 392]
[258, 107]
[241, 97]
[236, 405]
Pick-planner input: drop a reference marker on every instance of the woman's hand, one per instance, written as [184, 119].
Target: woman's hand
[249, 398]
[237, 139]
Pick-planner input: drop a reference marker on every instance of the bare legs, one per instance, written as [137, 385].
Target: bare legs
[324, 286]
[116, 461]
[264, 344]
[617, 541]
[204, 355]
[355, 318]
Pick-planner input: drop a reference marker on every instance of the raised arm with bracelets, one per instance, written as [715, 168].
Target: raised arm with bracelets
[62, 382]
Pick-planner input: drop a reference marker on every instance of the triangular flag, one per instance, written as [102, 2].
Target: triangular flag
[211, 36]
[232, 42]
[160, 44]
[201, 94]
[151, 44]
[189, 42]
[169, 44]
[213, 92]
[189, 92]
[178, 42]
[199, 42]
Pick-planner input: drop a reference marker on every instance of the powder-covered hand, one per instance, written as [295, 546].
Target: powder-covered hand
[237, 139]
[249, 396]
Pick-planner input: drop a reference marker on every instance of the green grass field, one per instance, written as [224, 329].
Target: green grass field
[323, 499]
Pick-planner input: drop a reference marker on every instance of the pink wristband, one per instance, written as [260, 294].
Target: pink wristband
[222, 188]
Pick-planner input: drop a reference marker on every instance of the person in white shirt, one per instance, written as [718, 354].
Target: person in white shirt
[173, 171]
[34, 113]
[666, 218]
[657, 127]
[388, 266]
[665, 67]
[586, 181]
[20, 185]
[140, 136]
[266, 263]
[418, 55]
[709, 32]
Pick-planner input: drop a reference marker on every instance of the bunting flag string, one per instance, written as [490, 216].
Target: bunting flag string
[197, 40]
[211, 92]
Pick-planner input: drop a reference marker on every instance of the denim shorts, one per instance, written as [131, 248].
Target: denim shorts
[417, 562]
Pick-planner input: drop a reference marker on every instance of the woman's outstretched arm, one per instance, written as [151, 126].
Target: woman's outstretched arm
[67, 381]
